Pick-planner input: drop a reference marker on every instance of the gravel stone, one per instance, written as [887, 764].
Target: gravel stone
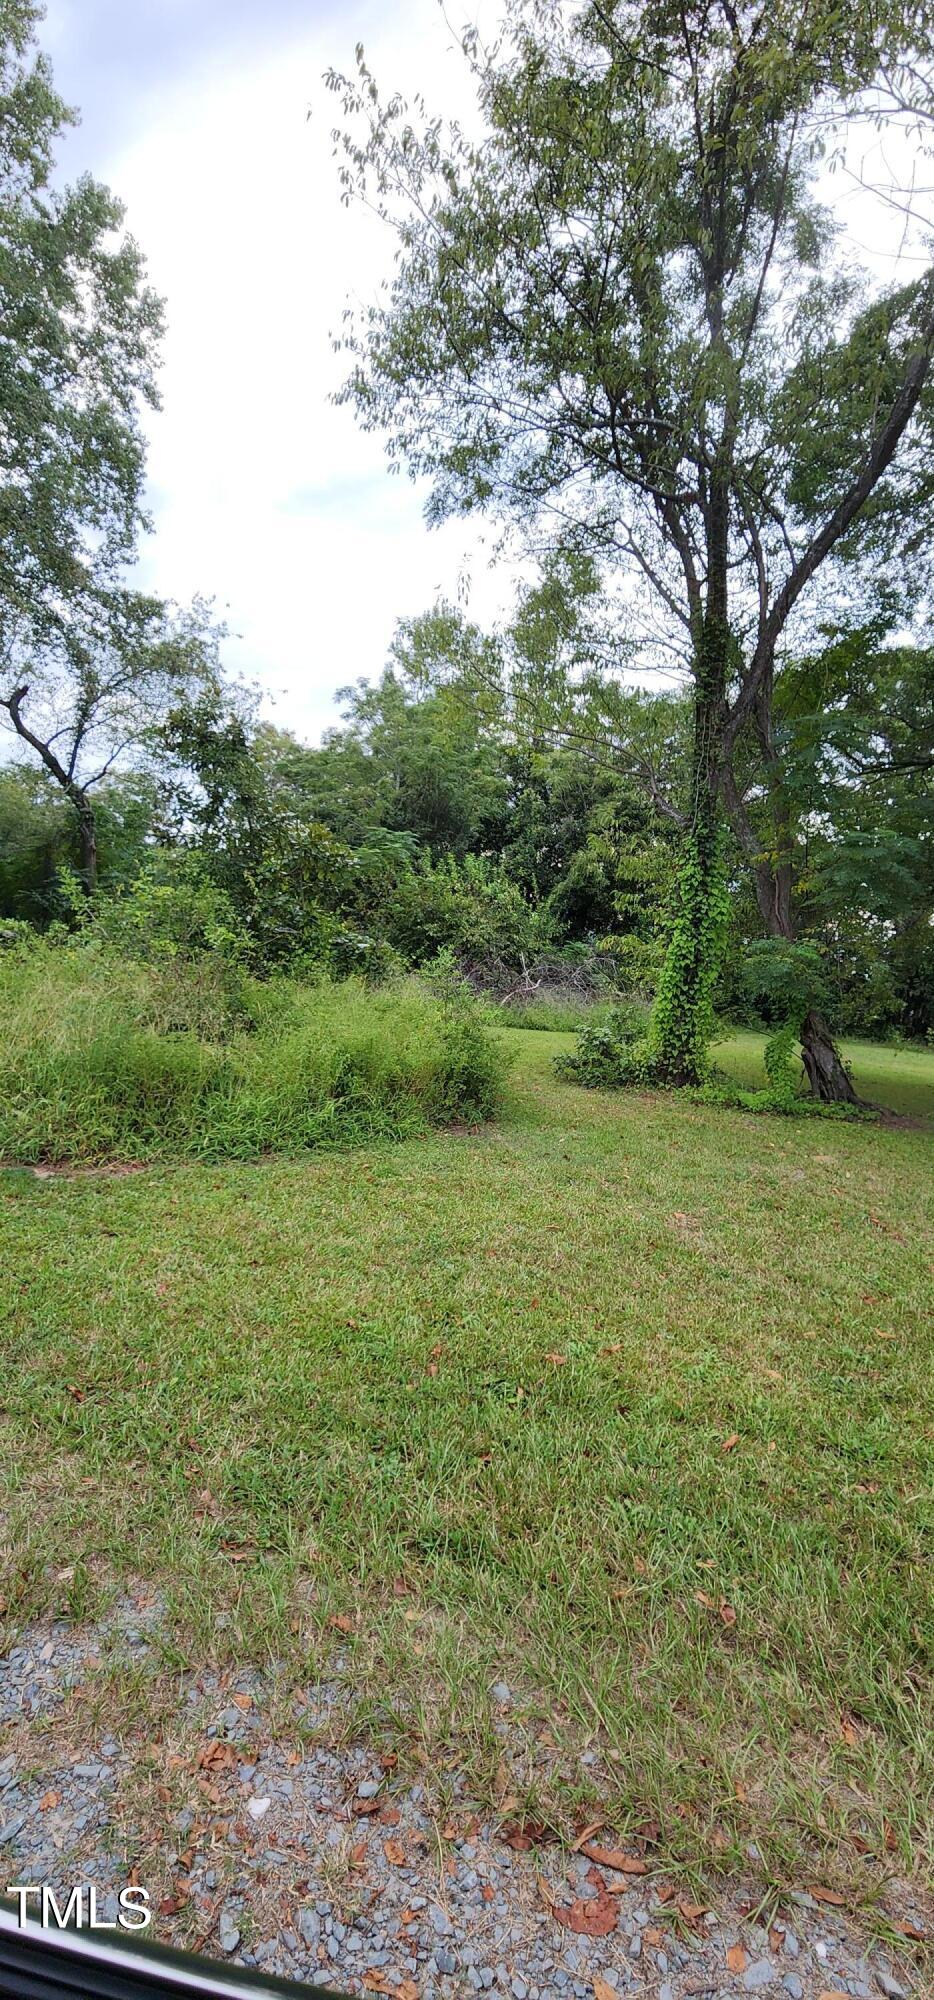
[441, 1922]
[760, 1973]
[228, 1933]
[792, 1985]
[889, 1986]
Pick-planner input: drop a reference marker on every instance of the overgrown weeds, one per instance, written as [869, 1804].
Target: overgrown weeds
[113, 1057]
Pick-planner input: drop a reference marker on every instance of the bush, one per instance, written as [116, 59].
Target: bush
[109, 1057]
[609, 1052]
[470, 907]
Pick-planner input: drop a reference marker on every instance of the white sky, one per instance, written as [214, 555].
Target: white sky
[265, 497]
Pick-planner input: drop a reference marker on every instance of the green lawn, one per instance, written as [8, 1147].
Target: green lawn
[900, 1079]
[621, 1399]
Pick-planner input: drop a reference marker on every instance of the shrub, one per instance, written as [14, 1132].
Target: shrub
[111, 1057]
[471, 907]
[609, 1052]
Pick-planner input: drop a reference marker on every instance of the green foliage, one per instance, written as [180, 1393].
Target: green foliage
[112, 1057]
[172, 910]
[472, 906]
[783, 979]
[81, 329]
[611, 1049]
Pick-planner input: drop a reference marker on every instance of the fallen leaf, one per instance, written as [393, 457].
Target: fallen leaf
[406, 1990]
[48, 1800]
[614, 1857]
[891, 1839]
[377, 1982]
[341, 1621]
[358, 1854]
[828, 1896]
[727, 1613]
[831, 1993]
[693, 1912]
[911, 1931]
[389, 1816]
[395, 1853]
[737, 1958]
[557, 1360]
[215, 1755]
[776, 1939]
[520, 1835]
[741, 1793]
[730, 1443]
[595, 1918]
[602, 1988]
[170, 1905]
[653, 1936]
[848, 1730]
[587, 1833]
[242, 1701]
[362, 1808]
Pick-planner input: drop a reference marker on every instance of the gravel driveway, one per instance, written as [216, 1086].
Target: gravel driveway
[319, 1864]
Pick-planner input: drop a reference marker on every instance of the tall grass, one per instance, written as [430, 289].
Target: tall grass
[113, 1058]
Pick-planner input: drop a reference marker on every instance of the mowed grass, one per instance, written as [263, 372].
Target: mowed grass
[898, 1077]
[624, 1400]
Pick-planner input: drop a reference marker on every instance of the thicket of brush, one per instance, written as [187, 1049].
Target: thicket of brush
[109, 1057]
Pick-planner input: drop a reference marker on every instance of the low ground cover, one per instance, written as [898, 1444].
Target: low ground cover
[621, 1400]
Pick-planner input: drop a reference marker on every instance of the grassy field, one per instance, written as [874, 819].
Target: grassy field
[621, 1400]
[898, 1078]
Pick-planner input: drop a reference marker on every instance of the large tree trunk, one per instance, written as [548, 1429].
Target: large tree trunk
[823, 1063]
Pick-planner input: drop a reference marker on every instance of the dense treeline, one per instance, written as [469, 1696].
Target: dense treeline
[443, 815]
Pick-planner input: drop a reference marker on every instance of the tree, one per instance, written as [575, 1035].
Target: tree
[617, 321]
[82, 657]
[77, 358]
[90, 690]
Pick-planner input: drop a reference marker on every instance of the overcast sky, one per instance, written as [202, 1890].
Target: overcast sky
[265, 497]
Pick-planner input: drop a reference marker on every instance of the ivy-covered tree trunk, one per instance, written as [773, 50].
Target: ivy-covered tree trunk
[682, 1022]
